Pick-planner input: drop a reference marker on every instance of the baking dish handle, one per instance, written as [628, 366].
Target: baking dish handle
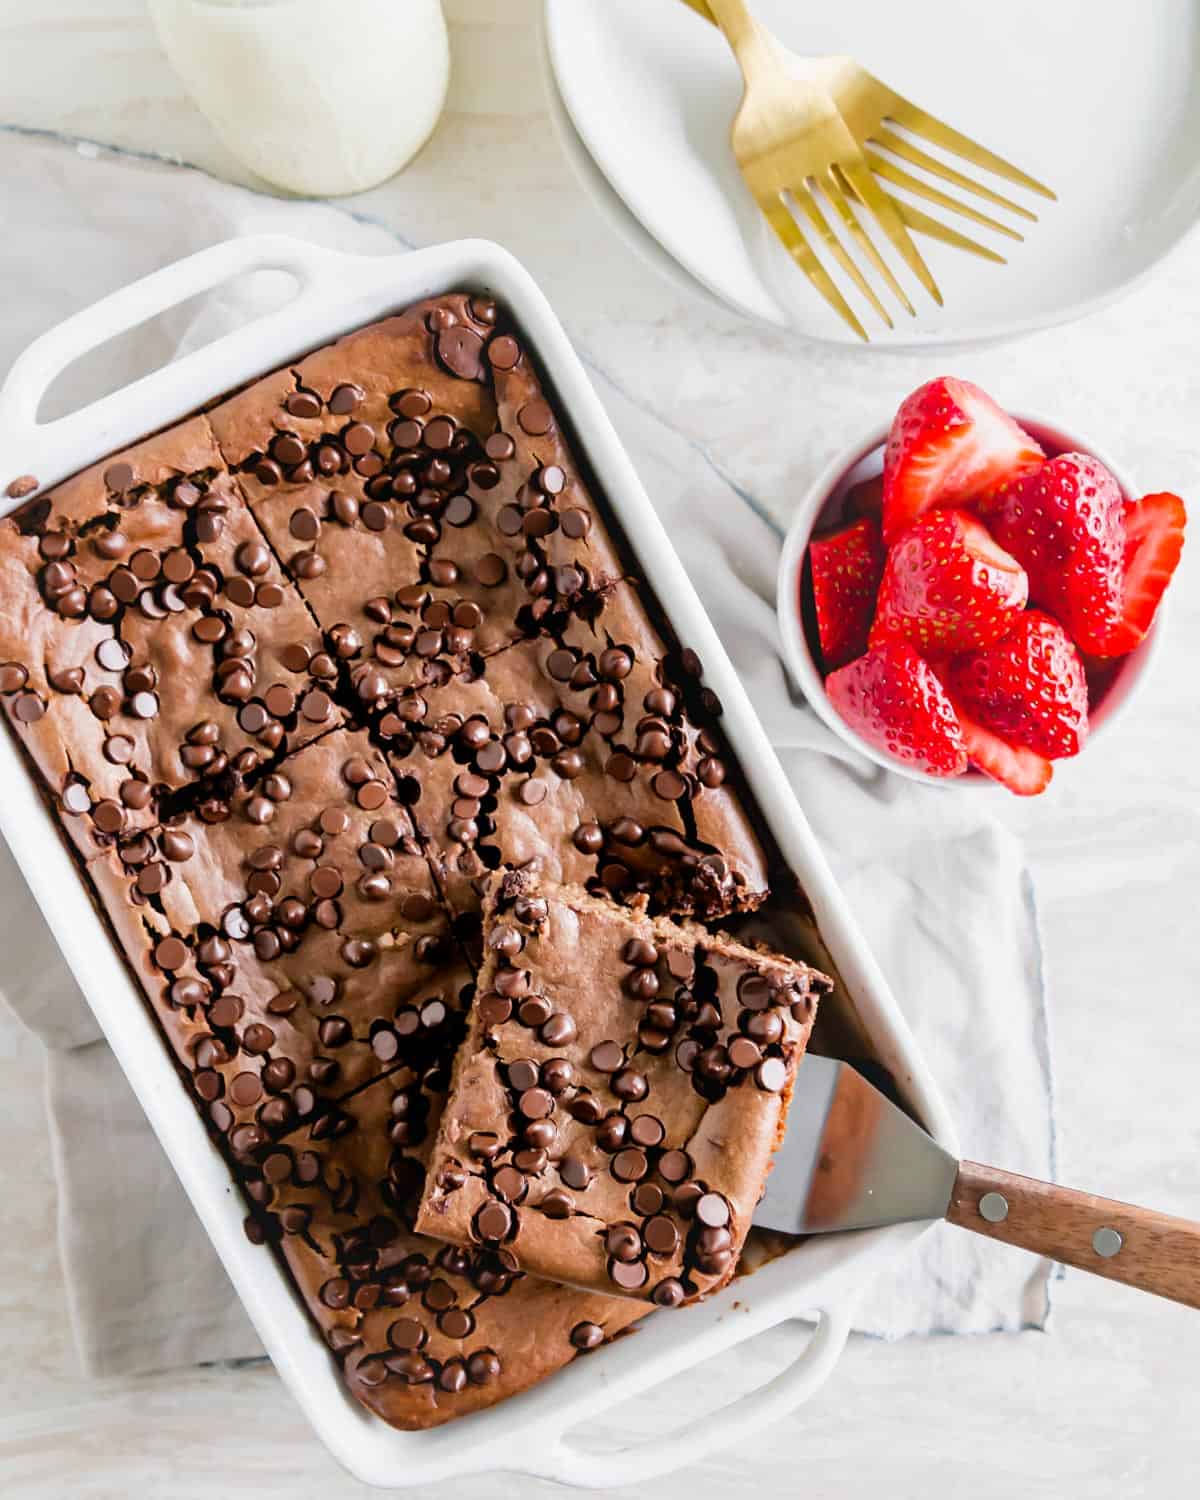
[313, 266]
[586, 1468]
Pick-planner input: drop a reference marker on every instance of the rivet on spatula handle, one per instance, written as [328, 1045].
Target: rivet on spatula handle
[1151, 1251]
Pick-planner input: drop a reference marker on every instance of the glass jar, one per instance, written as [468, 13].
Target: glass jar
[319, 97]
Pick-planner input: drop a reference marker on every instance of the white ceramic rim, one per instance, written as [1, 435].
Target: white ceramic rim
[1120, 693]
[826, 1275]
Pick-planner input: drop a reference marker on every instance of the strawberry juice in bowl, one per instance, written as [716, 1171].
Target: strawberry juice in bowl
[848, 494]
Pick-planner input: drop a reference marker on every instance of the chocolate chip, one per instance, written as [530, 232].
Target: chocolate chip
[753, 992]
[316, 706]
[535, 1104]
[630, 1085]
[504, 352]
[303, 403]
[287, 449]
[118, 748]
[75, 798]
[743, 1053]
[358, 438]
[68, 680]
[623, 1243]
[575, 1173]
[559, 1031]
[509, 1184]
[629, 1276]
[588, 838]
[113, 655]
[108, 816]
[630, 1165]
[648, 1198]
[345, 399]
[712, 1211]
[535, 418]
[669, 785]
[771, 1075]
[252, 558]
[460, 349]
[532, 793]
[640, 952]
[660, 1235]
[456, 1323]
[177, 845]
[675, 1166]
[493, 1222]
[523, 1074]
[607, 1057]
[118, 477]
[611, 1132]
[483, 1367]
[647, 1130]
[170, 954]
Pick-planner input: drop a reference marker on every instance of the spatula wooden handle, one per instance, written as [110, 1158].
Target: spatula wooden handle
[1151, 1251]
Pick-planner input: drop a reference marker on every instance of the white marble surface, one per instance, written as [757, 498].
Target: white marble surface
[1103, 1404]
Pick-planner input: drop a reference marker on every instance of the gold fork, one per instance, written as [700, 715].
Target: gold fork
[790, 140]
[870, 107]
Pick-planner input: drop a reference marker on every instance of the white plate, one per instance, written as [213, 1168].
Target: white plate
[1100, 101]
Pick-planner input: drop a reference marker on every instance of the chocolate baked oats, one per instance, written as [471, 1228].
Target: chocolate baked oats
[298, 677]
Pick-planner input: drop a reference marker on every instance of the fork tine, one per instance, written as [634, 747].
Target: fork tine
[833, 190]
[922, 223]
[790, 234]
[918, 158]
[871, 195]
[921, 123]
[808, 205]
[890, 172]
[934, 229]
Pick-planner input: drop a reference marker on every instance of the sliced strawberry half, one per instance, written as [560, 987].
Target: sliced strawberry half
[1154, 528]
[949, 444]
[1021, 770]
[948, 586]
[846, 568]
[1030, 688]
[895, 701]
[1066, 524]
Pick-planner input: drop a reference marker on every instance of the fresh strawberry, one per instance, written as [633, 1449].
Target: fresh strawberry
[948, 586]
[896, 702]
[865, 498]
[1021, 770]
[949, 444]
[1029, 688]
[846, 568]
[1154, 529]
[1066, 524]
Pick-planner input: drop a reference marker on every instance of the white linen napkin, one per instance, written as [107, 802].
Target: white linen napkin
[940, 888]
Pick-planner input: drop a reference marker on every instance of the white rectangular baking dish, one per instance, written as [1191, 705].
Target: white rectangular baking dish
[823, 1278]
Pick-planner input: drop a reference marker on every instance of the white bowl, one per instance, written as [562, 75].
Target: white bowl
[822, 507]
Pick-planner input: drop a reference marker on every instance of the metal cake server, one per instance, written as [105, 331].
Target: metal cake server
[852, 1160]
